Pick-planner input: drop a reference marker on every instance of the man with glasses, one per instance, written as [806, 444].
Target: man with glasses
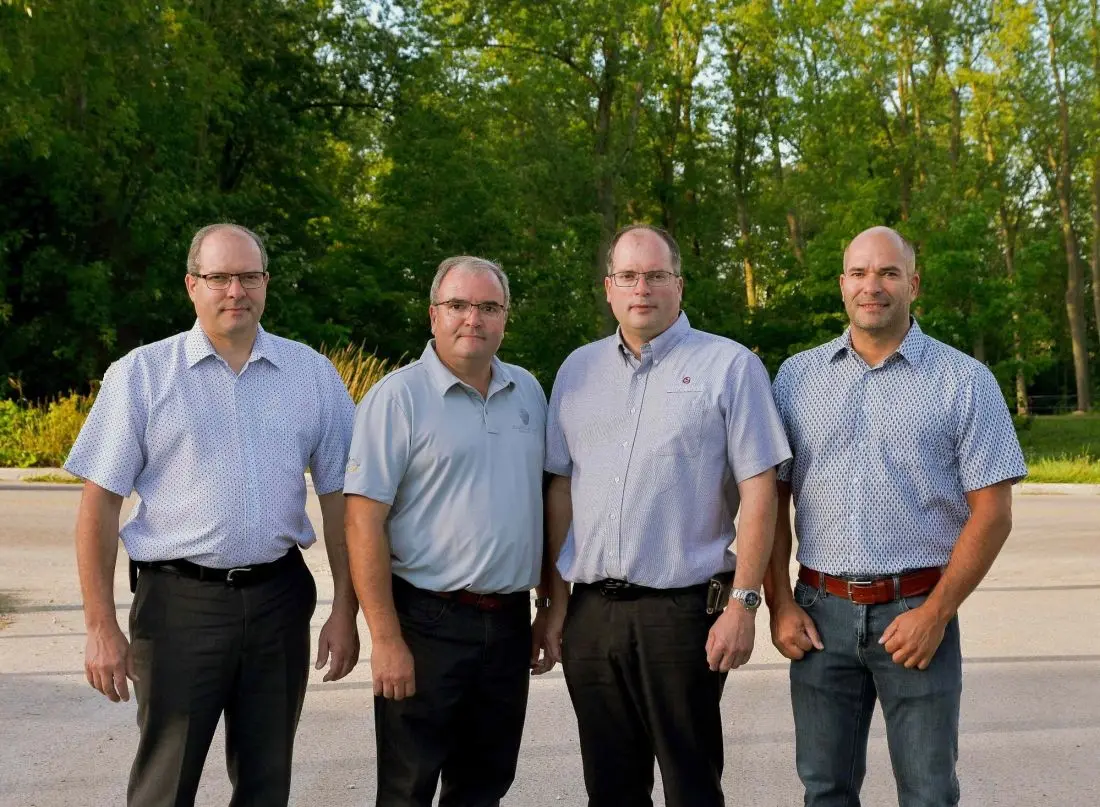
[654, 436]
[444, 515]
[213, 429]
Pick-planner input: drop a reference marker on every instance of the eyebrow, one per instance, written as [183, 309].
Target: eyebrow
[880, 269]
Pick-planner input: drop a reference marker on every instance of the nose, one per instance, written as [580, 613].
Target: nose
[236, 288]
[642, 286]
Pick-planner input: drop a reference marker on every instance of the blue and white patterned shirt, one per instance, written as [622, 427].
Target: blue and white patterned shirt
[654, 448]
[218, 459]
[884, 456]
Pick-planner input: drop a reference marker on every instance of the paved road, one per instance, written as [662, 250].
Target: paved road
[1030, 722]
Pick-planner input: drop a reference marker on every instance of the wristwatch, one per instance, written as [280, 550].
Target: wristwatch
[542, 602]
[747, 597]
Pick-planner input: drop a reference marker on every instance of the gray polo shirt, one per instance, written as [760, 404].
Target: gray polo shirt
[463, 474]
[654, 448]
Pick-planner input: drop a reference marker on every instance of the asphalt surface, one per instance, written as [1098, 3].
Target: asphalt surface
[1030, 718]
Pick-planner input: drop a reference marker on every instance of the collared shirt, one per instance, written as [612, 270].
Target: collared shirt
[654, 448]
[462, 473]
[884, 455]
[217, 459]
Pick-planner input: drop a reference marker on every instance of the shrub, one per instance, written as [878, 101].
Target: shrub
[41, 435]
[359, 369]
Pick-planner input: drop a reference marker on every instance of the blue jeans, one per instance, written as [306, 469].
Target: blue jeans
[833, 692]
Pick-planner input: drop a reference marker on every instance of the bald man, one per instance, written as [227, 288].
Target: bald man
[903, 460]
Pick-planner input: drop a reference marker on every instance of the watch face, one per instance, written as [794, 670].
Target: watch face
[752, 600]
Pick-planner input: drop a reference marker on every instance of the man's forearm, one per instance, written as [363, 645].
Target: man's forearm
[97, 552]
[777, 582]
[368, 549]
[980, 541]
[332, 518]
[559, 515]
[756, 529]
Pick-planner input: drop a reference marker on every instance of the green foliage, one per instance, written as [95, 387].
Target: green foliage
[358, 369]
[1054, 436]
[41, 436]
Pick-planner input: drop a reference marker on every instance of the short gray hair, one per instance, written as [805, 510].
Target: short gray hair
[210, 229]
[473, 264]
[664, 235]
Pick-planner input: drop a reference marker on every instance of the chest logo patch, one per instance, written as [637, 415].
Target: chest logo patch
[525, 416]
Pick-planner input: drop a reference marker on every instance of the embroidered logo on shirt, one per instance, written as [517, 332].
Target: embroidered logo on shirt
[353, 466]
[525, 416]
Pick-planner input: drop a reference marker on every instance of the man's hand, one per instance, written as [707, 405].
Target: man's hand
[542, 660]
[913, 637]
[793, 631]
[392, 667]
[555, 626]
[108, 662]
[338, 644]
[729, 644]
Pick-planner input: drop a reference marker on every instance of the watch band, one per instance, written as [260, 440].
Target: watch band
[542, 602]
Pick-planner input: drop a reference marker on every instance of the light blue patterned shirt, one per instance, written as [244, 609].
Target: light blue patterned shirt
[884, 456]
[217, 459]
[654, 448]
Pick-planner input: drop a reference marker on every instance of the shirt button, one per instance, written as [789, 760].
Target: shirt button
[624, 443]
[612, 516]
[616, 480]
[633, 410]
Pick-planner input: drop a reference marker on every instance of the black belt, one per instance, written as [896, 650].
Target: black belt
[624, 590]
[237, 577]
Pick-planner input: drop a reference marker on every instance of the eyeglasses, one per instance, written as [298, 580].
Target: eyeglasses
[461, 308]
[219, 281]
[627, 280]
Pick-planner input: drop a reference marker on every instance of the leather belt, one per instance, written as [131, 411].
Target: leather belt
[237, 577]
[873, 590]
[614, 589]
[482, 602]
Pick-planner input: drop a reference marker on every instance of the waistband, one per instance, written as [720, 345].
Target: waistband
[873, 590]
[237, 577]
[482, 602]
[623, 590]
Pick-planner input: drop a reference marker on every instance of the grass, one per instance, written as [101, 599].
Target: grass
[1061, 448]
[53, 478]
[359, 369]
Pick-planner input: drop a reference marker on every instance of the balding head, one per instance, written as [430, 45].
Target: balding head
[872, 239]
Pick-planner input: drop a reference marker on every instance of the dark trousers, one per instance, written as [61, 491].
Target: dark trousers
[202, 649]
[465, 722]
[638, 678]
[834, 690]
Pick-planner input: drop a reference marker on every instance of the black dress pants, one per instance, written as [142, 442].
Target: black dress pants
[202, 649]
[637, 674]
[465, 722]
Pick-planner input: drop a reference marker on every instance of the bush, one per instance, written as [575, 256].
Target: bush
[359, 369]
[40, 436]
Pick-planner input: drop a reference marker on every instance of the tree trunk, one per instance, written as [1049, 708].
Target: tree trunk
[1075, 297]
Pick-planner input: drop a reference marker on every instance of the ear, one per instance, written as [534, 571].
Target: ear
[914, 286]
[190, 282]
[607, 282]
[432, 314]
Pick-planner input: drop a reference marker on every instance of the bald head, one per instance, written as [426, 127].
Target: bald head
[872, 240]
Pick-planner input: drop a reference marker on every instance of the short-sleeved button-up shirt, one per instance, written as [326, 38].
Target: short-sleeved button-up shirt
[462, 473]
[217, 459]
[654, 448]
[884, 455]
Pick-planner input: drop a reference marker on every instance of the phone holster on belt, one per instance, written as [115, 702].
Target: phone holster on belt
[718, 592]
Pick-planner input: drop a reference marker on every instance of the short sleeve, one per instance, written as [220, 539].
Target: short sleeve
[986, 445]
[781, 396]
[381, 444]
[755, 440]
[330, 455]
[558, 460]
[110, 449]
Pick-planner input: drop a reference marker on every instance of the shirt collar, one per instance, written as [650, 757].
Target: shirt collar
[911, 348]
[661, 344]
[197, 346]
[444, 379]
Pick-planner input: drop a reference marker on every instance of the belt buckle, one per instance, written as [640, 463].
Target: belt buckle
[611, 587]
[862, 582]
[232, 572]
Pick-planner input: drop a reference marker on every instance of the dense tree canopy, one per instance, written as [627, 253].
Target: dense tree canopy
[368, 140]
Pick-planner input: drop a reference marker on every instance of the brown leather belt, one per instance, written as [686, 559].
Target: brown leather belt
[482, 602]
[874, 590]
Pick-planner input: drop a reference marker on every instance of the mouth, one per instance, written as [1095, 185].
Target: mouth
[643, 308]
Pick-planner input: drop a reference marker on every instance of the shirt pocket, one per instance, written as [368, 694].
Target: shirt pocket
[681, 423]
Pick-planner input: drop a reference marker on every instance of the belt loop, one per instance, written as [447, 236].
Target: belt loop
[897, 587]
[821, 585]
